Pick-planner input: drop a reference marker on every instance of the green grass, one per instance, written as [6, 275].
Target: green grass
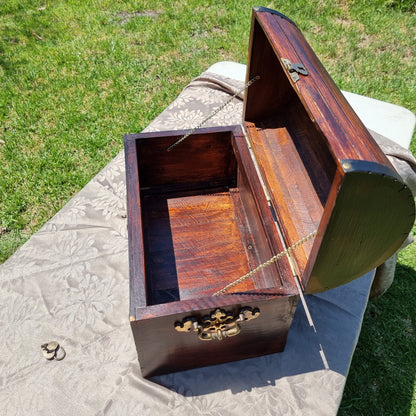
[77, 75]
[382, 377]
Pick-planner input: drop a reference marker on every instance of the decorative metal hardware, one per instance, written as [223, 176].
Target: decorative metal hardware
[218, 325]
[295, 69]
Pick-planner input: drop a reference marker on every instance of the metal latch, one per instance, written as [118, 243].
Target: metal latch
[218, 325]
[295, 69]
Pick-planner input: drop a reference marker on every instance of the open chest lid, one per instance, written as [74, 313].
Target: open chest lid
[322, 170]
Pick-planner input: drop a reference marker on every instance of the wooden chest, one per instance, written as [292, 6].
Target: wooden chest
[301, 170]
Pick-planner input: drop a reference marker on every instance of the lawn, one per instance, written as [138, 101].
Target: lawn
[76, 76]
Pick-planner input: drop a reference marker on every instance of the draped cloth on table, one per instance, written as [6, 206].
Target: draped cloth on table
[70, 283]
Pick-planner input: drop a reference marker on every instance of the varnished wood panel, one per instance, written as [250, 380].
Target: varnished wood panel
[199, 216]
[262, 223]
[135, 231]
[199, 231]
[193, 245]
[303, 145]
[327, 107]
[163, 350]
[303, 171]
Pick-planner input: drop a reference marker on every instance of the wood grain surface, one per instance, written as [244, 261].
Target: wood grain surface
[205, 213]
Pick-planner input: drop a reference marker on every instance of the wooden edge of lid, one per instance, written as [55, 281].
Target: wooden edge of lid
[258, 9]
[372, 215]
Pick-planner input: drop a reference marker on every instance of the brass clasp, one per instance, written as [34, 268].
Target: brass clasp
[218, 324]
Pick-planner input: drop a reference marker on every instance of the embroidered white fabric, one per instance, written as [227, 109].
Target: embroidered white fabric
[70, 283]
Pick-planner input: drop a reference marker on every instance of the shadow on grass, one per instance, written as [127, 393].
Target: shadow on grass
[382, 375]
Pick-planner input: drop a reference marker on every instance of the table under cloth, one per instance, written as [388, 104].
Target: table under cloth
[70, 283]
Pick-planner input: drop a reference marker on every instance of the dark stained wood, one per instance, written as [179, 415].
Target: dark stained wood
[262, 225]
[192, 240]
[135, 233]
[344, 131]
[205, 213]
[302, 133]
[199, 233]
[272, 91]
[179, 169]
[198, 220]
[163, 350]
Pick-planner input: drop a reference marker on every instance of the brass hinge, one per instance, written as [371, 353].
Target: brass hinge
[295, 69]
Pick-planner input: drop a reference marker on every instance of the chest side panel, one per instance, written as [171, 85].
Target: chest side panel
[162, 349]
